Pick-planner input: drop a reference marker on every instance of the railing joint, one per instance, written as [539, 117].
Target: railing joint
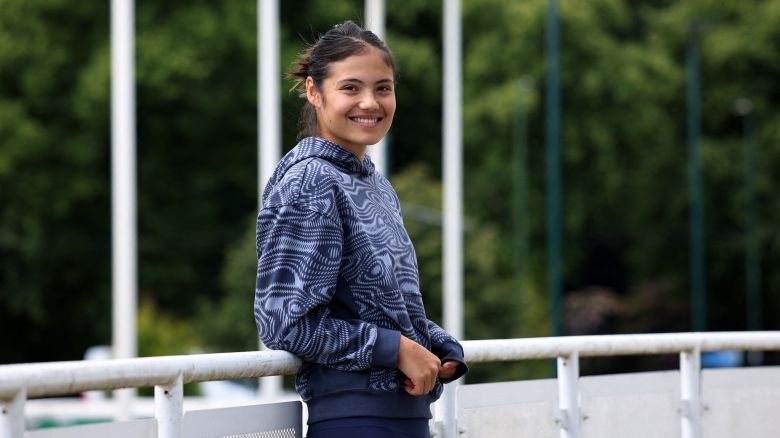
[169, 412]
[12, 415]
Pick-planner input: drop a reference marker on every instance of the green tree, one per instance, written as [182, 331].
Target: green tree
[53, 182]
[624, 163]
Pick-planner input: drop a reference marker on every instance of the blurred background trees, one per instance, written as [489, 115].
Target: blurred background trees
[624, 155]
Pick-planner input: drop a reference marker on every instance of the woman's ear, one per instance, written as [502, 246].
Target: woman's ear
[311, 92]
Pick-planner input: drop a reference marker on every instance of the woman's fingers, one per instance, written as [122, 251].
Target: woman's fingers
[447, 370]
[419, 365]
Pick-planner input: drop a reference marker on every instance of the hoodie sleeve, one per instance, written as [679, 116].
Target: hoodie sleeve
[299, 256]
[447, 348]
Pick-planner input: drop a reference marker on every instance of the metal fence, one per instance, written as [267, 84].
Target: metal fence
[463, 413]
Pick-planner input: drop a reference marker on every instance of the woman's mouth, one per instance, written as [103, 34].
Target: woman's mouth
[367, 122]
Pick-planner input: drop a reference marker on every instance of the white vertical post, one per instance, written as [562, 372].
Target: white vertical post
[269, 108]
[268, 86]
[12, 415]
[168, 408]
[568, 395]
[375, 22]
[453, 174]
[375, 17]
[123, 189]
[690, 406]
[453, 194]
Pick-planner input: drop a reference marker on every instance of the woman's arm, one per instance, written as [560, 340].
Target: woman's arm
[299, 256]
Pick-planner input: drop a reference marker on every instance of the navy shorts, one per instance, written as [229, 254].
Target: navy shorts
[370, 427]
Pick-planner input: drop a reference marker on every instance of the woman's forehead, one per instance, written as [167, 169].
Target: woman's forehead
[365, 67]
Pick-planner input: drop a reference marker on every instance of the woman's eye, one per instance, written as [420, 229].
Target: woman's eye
[349, 88]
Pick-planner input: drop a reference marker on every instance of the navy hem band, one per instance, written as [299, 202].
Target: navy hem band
[369, 404]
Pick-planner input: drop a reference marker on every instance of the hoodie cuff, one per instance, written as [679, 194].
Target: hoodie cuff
[453, 352]
[386, 348]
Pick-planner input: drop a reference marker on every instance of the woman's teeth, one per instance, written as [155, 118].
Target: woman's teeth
[365, 120]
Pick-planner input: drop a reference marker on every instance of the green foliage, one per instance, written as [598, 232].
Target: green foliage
[229, 325]
[624, 164]
[160, 334]
[53, 198]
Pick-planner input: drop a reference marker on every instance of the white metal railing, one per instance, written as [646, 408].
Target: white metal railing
[168, 374]
[569, 349]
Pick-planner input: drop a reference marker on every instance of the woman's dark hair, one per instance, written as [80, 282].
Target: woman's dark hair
[340, 42]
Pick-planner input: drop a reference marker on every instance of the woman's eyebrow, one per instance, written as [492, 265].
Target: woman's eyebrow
[381, 81]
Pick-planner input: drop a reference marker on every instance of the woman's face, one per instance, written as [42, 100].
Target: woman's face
[356, 102]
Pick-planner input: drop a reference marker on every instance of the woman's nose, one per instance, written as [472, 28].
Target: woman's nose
[369, 101]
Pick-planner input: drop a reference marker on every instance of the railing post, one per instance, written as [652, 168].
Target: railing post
[568, 395]
[690, 393]
[12, 415]
[446, 424]
[168, 408]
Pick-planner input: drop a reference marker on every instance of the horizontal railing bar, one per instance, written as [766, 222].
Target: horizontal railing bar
[617, 345]
[65, 378]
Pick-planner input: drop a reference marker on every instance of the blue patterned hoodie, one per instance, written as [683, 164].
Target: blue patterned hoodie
[337, 285]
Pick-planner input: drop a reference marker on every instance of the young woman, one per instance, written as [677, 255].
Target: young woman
[337, 279]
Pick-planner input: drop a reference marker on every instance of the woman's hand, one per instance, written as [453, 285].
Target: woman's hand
[447, 370]
[419, 365]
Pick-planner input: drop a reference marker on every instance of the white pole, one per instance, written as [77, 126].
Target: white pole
[375, 22]
[568, 395]
[269, 123]
[168, 408]
[268, 98]
[453, 174]
[690, 390]
[453, 197]
[123, 189]
[375, 17]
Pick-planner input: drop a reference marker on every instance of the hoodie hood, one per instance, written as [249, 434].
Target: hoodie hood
[315, 147]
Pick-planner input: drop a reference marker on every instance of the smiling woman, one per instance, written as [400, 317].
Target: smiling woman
[356, 69]
[337, 279]
[356, 103]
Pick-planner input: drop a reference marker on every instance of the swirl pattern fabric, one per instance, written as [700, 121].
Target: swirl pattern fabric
[335, 265]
